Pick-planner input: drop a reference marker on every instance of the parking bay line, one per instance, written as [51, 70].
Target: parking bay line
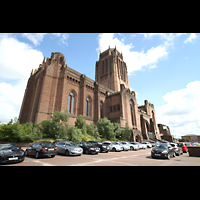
[40, 162]
[107, 160]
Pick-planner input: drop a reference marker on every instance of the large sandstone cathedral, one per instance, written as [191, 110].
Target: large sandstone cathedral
[55, 86]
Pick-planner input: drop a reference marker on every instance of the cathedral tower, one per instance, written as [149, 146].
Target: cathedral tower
[111, 70]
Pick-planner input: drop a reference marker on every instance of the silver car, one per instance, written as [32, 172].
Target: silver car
[68, 148]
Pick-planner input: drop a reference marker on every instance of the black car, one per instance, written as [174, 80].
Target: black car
[103, 147]
[11, 154]
[88, 147]
[163, 151]
[43, 148]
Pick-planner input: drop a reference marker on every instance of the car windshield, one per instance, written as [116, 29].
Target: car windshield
[161, 146]
[7, 147]
[46, 144]
[69, 144]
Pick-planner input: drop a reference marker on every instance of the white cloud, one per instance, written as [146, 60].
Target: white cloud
[182, 113]
[135, 60]
[191, 38]
[63, 37]
[16, 62]
[36, 38]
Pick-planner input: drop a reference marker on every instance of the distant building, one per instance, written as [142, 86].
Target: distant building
[192, 137]
[165, 132]
[56, 86]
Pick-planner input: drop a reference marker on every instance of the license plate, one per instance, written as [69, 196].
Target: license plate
[157, 154]
[15, 158]
[51, 149]
[97, 150]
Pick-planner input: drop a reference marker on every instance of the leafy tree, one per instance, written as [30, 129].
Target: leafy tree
[117, 129]
[126, 133]
[74, 134]
[92, 130]
[46, 129]
[59, 125]
[80, 122]
[106, 128]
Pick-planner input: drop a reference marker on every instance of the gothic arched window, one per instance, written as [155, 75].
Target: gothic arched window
[87, 110]
[70, 103]
[132, 112]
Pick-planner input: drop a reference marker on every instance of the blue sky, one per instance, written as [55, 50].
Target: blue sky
[163, 69]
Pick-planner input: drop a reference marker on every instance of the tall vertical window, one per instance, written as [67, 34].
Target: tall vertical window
[101, 109]
[132, 112]
[87, 109]
[70, 103]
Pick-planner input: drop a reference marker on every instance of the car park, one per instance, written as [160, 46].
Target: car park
[132, 146]
[68, 148]
[113, 147]
[11, 154]
[103, 147]
[88, 147]
[163, 151]
[41, 149]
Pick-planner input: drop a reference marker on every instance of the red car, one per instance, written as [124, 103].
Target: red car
[184, 147]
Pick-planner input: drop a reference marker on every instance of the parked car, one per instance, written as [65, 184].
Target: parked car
[163, 151]
[154, 143]
[124, 146]
[183, 146]
[57, 141]
[140, 145]
[88, 147]
[148, 144]
[11, 154]
[132, 146]
[103, 147]
[68, 148]
[42, 148]
[113, 147]
[135, 143]
[178, 150]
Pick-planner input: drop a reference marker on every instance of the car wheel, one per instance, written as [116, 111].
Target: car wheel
[168, 156]
[86, 151]
[66, 152]
[131, 148]
[36, 154]
[26, 153]
[113, 149]
[52, 156]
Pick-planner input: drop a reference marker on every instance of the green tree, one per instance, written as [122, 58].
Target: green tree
[92, 130]
[126, 133]
[117, 130]
[80, 122]
[74, 134]
[46, 129]
[59, 125]
[106, 128]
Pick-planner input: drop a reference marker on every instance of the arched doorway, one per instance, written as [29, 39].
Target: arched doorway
[138, 138]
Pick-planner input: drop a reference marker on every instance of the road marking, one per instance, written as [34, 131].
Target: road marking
[108, 160]
[40, 162]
